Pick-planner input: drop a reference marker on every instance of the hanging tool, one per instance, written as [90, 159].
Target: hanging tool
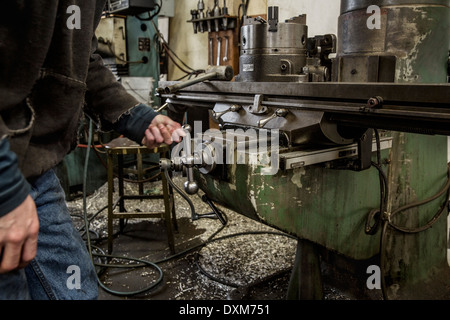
[208, 20]
[201, 15]
[217, 13]
[225, 15]
[227, 40]
[219, 50]
[194, 14]
[244, 9]
[211, 52]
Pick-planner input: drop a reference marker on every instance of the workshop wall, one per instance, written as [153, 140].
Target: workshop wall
[193, 48]
[322, 15]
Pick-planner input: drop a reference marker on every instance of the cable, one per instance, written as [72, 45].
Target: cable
[150, 17]
[86, 165]
[144, 263]
[174, 57]
[433, 220]
[383, 259]
[185, 197]
[421, 203]
[377, 214]
[383, 218]
[387, 222]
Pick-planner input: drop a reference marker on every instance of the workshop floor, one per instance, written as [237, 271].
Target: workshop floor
[250, 254]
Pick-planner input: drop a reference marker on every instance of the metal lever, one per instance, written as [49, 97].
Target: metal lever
[167, 165]
[233, 108]
[162, 108]
[190, 186]
[223, 73]
[280, 113]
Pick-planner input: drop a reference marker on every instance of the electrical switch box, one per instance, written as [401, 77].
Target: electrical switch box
[130, 7]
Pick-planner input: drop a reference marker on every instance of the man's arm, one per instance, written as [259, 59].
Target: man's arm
[114, 108]
[143, 125]
[19, 224]
[13, 186]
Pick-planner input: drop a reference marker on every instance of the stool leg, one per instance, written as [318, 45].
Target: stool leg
[121, 189]
[140, 170]
[167, 214]
[110, 166]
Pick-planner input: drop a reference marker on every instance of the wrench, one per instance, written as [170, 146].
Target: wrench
[211, 53]
[225, 59]
[219, 49]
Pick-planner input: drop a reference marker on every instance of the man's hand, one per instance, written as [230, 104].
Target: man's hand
[162, 130]
[18, 236]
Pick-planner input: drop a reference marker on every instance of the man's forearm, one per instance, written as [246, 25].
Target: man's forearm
[13, 186]
[134, 123]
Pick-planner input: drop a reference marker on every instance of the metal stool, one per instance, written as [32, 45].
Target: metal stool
[118, 148]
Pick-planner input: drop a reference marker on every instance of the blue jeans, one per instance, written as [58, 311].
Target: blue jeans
[62, 269]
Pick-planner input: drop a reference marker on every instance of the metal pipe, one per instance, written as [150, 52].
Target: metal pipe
[224, 73]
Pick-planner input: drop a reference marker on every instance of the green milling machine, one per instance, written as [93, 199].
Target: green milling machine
[356, 127]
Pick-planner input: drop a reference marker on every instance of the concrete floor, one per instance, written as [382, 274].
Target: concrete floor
[182, 276]
[237, 261]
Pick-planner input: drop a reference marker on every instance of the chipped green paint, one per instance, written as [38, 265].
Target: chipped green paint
[422, 30]
[325, 206]
[330, 207]
[418, 171]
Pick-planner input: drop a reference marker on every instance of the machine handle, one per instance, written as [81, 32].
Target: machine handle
[280, 113]
[233, 108]
[190, 186]
[224, 73]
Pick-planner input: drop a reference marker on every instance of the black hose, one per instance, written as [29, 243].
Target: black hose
[387, 222]
[185, 197]
[421, 203]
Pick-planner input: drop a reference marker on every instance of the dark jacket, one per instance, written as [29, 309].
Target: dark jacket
[49, 75]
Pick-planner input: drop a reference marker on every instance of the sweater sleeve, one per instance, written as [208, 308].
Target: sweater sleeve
[108, 102]
[106, 99]
[134, 123]
[13, 186]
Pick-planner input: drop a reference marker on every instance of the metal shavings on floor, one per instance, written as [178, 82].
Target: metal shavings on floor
[232, 262]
